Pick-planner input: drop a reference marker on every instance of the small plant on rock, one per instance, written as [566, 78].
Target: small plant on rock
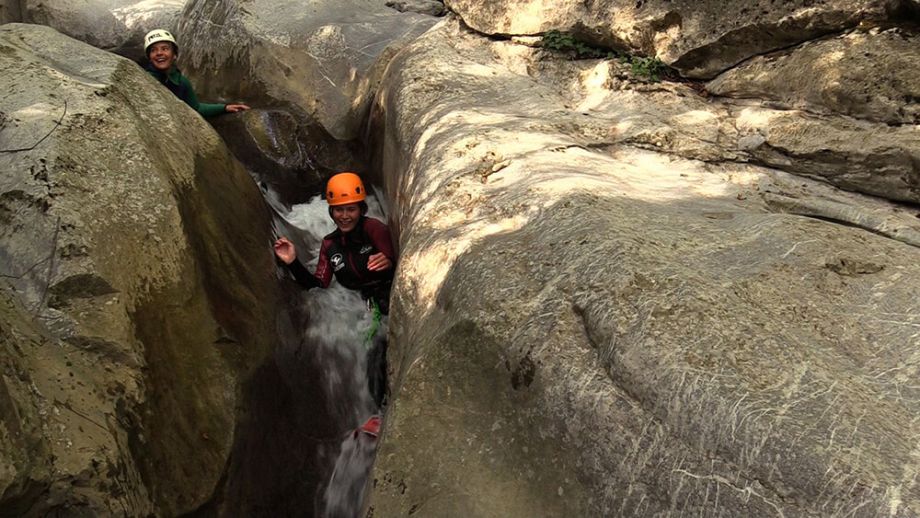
[566, 42]
[649, 68]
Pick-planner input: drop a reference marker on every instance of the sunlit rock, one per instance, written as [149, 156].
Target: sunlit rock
[587, 323]
[700, 39]
[869, 75]
[611, 106]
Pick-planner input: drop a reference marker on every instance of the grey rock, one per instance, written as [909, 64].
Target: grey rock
[871, 158]
[118, 25]
[587, 325]
[289, 157]
[90, 21]
[139, 18]
[131, 245]
[429, 7]
[700, 39]
[320, 60]
[869, 75]
[10, 11]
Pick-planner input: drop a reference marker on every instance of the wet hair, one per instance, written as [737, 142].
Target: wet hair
[361, 205]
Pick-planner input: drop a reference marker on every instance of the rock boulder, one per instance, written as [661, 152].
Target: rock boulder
[700, 39]
[429, 7]
[290, 158]
[319, 60]
[869, 75]
[587, 325]
[137, 287]
[118, 26]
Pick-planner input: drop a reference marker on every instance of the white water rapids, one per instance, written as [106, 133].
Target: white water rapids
[337, 335]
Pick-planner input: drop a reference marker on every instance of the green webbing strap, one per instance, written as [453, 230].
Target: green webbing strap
[375, 324]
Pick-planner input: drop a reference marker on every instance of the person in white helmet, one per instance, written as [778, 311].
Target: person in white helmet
[162, 51]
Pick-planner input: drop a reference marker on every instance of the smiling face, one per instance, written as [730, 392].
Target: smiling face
[346, 216]
[162, 55]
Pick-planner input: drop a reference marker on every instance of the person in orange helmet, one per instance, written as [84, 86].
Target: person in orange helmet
[361, 256]
[359, 252]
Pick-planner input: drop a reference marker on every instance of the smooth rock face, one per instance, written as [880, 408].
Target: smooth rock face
[700, 39]
[586, 323]
[90, 21]
[868, 75]
[429, 7]
[118, 25]
[139, 18]
[10, 11]
[137, 287]
[320, 59]
[289, 158]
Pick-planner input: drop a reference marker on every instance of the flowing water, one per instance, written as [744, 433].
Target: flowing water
[337, 336]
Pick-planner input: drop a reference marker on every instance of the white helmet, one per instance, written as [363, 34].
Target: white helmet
[158, 35]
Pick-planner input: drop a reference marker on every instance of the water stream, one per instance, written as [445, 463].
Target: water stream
[337, 338]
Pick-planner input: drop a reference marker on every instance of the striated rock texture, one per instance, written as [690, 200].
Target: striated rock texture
[868, 75]
[115, 25]
[136, 287]
[700, 39]
[319, 59]
[605, 309]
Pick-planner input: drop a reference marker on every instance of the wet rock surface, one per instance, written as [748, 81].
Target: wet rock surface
[605, 307]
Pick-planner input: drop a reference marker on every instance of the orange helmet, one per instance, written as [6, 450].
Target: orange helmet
[344, 188]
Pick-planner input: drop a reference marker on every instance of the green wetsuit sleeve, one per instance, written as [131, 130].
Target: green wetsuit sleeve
[209, 110]
[205, 109]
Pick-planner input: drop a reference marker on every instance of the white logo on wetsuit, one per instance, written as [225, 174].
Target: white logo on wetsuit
[337, 262]
[365, 249]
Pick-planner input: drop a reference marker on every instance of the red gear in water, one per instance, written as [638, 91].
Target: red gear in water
[370, 427]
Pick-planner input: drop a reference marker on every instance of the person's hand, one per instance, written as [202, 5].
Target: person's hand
[233, 108]
[285, 250]
[379, 262]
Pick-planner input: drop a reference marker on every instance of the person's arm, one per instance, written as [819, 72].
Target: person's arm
[285, 251]
[303, 277]
[383, 242]
[323, 272]
[206, 110]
